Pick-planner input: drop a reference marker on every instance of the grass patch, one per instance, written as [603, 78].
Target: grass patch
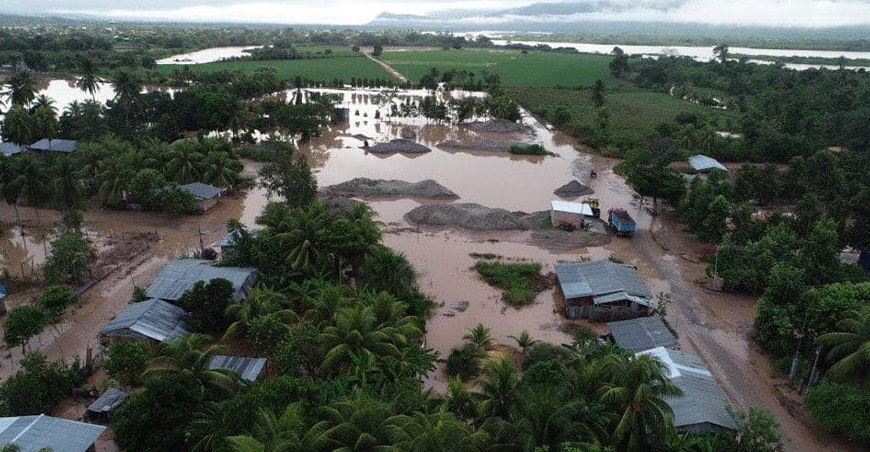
[530, 149]
[534, 68]
[319, 69]
[487, 256]
[520, 282]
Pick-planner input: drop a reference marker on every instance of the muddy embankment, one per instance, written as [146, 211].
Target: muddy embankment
[362, 187]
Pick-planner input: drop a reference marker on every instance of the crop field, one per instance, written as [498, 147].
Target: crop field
[320, 69]
[532, 69]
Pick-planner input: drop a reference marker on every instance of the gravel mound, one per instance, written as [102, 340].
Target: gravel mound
[362, 187]
[479, 145]
[496, 126]
[467, 216]
[399, 145]
[573, 189]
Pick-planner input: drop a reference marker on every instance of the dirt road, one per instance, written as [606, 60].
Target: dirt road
[396, 74]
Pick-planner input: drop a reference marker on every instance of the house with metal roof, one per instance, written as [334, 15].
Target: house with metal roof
[703, 164]
[179, 276]
[54, 145]
[206, 195]
[34, 433]
[603, 291]
[247, 368]
[226, 242]
[703, 406]
[151, 320]
[10, 148]
[642, 333]
[564, 213]
[107, 403]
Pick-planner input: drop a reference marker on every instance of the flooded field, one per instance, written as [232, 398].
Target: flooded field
[207, 55]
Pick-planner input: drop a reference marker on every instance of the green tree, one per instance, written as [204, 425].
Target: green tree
[302, 237]
[22, 323]
[70, 259]
[126, 361]
[479, 336]
[524, 340]
[849, 348]
[56, 298]
[260, 301]
[497, 385]
[358, 424]
[290, 177]
[438, 432]
[275, 434]
[38, 387]
[757, 431]
[599, 94]
[207, 303]
[721, 52]
[22, 88]
[18, 126]
[191, 356]
[355, 333]
[89, 81]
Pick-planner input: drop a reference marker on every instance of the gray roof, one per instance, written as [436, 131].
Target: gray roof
[604, 281]
[179, 276]
[227, 239]
[108, 401]
[247, 368]
[56, 145]
[702, 163]
[10, 148]
[642, 333]
[31, 433]
[201, 190]
[152, 318]
[703, 401]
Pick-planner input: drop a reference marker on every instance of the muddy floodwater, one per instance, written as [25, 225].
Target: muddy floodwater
[207, 55]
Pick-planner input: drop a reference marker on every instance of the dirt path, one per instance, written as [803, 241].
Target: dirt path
[396, 74]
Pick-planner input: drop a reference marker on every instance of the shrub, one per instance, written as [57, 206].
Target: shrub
[464, 362]
[518, 281]
[22, 323]
[546, 373]
[56, 298]
[542, 352]
[125, 361]
[37, 387]
[530, 149]
[842, 408]
[301, 353]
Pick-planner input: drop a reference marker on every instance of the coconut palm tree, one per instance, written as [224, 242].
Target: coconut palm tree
[191, 354]
[438, 432]
[358, 424]
[497, 384]
[275, 434]
[479, 336]
[721, 51]
[44, 115]
[18, 126]
[524, 341]
[113, 177]
[260, 301]
[35, 180]
[22, 89]
[184, 166]
[127, 85]
[849, 348]
[355, 332]
[220, 169]
[392, 313]
[383, 269]
[302, 235]
[635, 387]
[90, 80]
[11, 184]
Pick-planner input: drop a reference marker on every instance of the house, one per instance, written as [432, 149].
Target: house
[54, 145]
[247, 368]
[206, 195]
[703, 406]
[642, 333]
[603, 291]
[106, 404]
[179, 276]
[564, 213]
[151, 320]
[10, 149]
[703, 164]
[34, 433]
[226, 242]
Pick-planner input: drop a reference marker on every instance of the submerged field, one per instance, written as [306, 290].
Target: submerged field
[516, 68]
[318, 69]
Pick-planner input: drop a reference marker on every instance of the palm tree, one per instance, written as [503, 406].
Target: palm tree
[220, 169]
[355, 332]
[22, 89]
[301, 236]
[850, 348]
[598, 93]
[192, 355]
[497, 383]
[113, 177]
[635, 387]
[721, 51]
[524, 341]
[35, 181]
[184, 167]
[275, 434]
[260, 301]
[392, 313]
[90, 81]
[439, 432]
[18, 125]
[479, 336]
[358, 424]
[44, 115]
[127, 85]
[11, 184]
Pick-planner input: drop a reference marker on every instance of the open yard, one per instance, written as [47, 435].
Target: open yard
[320, 69]
[516, 68]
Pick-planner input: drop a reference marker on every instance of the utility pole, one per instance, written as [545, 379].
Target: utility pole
[201, 244]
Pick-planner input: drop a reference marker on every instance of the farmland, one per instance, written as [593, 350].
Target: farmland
[318, 69]
[532, 69]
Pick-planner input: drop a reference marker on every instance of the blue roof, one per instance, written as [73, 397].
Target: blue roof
[179, 276]
[604, 281]
[702, 163]
[10, 148]
[32, 433]
[201, 190]
[152, 318]
[57, 145]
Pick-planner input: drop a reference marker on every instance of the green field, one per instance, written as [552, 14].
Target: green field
[320, 69]
[516, 69]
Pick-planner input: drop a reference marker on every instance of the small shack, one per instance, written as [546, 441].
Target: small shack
[206, 195]
[151, 320]
[702, 164]
[9, 149]
[572, 214]
[641, 334]
[106, 404]
[46, 145]
[179, 276]
[603, 291]
[226, 242]
[34, 433]
[703, 406]
[247, 368]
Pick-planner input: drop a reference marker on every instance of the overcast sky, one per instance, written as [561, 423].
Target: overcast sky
[813, 13]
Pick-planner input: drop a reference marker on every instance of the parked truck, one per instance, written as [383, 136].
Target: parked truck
[621, 222]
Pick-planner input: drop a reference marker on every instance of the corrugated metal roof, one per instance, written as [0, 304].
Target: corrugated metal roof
[179, 276]
[32, 433]
[108, 401]
[201, 190]
[10, 148]
[56, 145]
[641, 333]
[152, 318]
[703, 401]
[702, 163]
[247, 368]
[603, 280]
[572, 207]
[227, 240]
